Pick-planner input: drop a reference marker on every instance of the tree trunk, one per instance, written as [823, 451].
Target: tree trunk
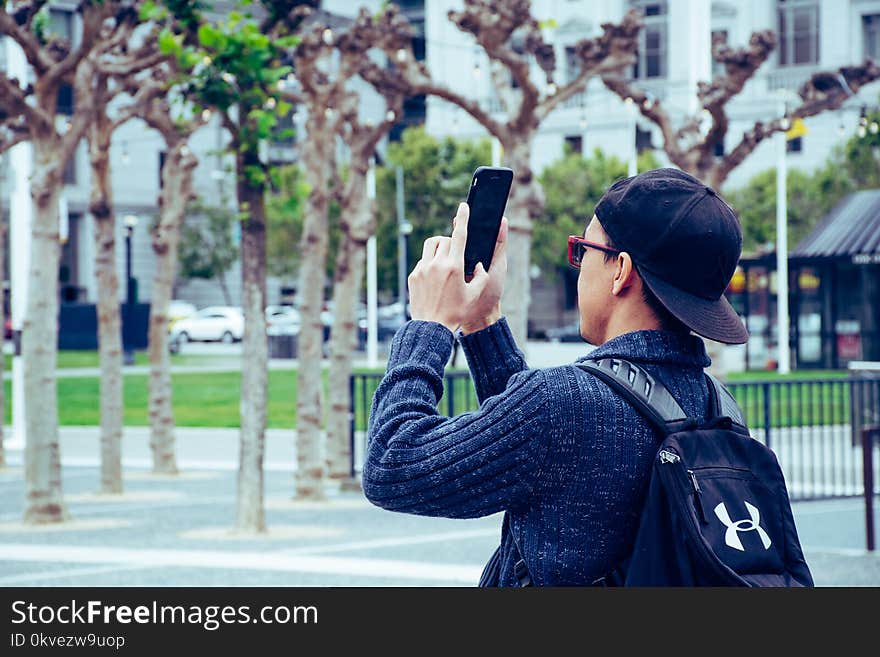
[39, 342]
[357, 220]
[250, 514]
[524, 205]
[109, 322]
[177, 174]
[3, 341]
[317, 164]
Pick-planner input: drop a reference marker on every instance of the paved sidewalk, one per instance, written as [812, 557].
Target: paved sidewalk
[177, 531]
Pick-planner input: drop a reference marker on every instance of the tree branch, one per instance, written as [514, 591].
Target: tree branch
[606, 55]
[13, 133]
[825, 90]
[652, 110]
[394, 37]
[13, 102]
[93, 16]
[33, 51]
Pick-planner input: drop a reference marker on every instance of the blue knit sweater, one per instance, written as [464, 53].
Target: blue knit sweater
[556, 449]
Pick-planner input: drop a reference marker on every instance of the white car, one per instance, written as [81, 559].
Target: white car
[178, 310]
[282, 320]
[222, 323]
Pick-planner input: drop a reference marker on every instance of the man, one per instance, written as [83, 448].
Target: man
[556, 449]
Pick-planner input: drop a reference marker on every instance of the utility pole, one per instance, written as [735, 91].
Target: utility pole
[372, 342]
[782, 319]
[404, 228]
[632, 159]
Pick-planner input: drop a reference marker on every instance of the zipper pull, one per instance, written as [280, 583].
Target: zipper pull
[698, 497]
[668, 457]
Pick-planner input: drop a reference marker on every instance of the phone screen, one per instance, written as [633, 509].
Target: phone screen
[487, 199]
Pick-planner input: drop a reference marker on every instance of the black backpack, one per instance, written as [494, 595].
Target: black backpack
[717, 511]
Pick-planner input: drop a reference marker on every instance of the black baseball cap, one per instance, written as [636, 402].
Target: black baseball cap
[685, 241]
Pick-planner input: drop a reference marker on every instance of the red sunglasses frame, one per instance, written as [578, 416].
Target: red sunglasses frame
[581, 242]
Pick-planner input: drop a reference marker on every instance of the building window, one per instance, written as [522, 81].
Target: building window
[65, 100]
[643, 140]
[798, 32]
[795, 145]
[871, 36]
[284, 132]
[651, 56]
[69, 175]
[718, 37]
[162, 156]
[61, 24]
[574, 144]
[572, 65]
[719, 148]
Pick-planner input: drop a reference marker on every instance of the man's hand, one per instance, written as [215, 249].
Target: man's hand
[437, 287]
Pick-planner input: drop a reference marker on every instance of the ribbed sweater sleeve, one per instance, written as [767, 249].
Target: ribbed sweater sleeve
[472, 465]
[493, 357]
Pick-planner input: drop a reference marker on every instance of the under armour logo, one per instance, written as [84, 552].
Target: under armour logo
[746, 525]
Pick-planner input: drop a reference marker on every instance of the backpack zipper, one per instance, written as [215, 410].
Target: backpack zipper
[698, 496]
[667, 456]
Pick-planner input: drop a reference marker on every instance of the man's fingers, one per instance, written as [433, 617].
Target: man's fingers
[430, 247]
[459, 232]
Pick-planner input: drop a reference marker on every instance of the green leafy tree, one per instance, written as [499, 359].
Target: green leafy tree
[207, 249]
[861, 153]
[437, 175]
[235, 67]
[572, 187]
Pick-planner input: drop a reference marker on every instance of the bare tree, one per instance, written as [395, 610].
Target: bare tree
[177, 191]
[233, 67]
[54, 62]
[691, 147]
[123, 54]
[326, 100]
[99, 135]
[358, 224]
[512, 39]
[151, 103]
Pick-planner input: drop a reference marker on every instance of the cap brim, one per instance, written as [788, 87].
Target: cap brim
[713, 319]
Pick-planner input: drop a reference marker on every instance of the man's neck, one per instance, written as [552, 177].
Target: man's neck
[639, 320]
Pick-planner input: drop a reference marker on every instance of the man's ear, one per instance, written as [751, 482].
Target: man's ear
[625, 274]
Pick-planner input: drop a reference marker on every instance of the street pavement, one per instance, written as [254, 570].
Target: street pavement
[165, 531]
[177, 531]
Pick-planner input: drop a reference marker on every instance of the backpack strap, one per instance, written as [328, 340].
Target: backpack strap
[721, 402]
[646, 393]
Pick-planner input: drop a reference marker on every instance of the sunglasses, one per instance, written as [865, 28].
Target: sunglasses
[577, 245]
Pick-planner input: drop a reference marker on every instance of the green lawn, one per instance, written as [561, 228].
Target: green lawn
[211, 399]
[77, 359]
[200, 400]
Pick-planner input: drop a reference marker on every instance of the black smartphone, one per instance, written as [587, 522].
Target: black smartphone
[486, 199]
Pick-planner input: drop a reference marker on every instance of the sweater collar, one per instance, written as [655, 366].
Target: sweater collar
[655, 347]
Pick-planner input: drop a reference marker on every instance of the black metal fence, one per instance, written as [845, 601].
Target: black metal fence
[815, 427]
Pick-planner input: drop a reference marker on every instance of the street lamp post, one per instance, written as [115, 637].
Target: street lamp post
[131, 221]
[404, 228]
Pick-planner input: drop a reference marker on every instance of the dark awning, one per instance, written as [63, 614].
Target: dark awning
[850, 230]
